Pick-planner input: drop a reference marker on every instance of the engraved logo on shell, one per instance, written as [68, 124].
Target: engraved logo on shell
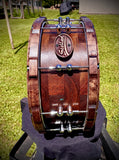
[63, 46]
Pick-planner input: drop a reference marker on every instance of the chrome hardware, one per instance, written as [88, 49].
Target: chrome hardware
[65, 129]
[69, 112]
[63, 112]
[71, 20]
[49, 113]
[60, 20]
[69, 67]
[69, 129]
[63, 27]
[98, 66]
[68, 26]
[57, 122]
[67, 20]
[62, 128]
[58, 28]
[60, 111]
[58, 67]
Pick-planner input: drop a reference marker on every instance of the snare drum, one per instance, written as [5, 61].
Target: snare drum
[63, 74]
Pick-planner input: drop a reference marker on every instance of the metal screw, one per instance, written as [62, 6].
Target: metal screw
[69, 67]
[57, 45]
[58, 67]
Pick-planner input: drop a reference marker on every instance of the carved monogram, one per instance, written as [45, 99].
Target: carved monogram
[63, 46]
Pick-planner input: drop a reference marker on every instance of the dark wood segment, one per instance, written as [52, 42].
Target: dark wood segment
[92, 112]
[33, 71]
[93, 66]
[93, 58]
[32, 74]
[93, 89]
[33, 91]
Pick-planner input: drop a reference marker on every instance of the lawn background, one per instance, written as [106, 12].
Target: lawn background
[13, 86]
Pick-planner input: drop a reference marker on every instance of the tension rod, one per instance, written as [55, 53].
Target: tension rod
[58, 67]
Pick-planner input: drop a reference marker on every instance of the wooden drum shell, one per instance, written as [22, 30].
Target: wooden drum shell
[49, 90]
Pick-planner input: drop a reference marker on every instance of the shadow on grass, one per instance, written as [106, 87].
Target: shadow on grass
[20, 46]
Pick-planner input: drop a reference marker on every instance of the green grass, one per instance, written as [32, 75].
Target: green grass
[13, 86]
[17, 13]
